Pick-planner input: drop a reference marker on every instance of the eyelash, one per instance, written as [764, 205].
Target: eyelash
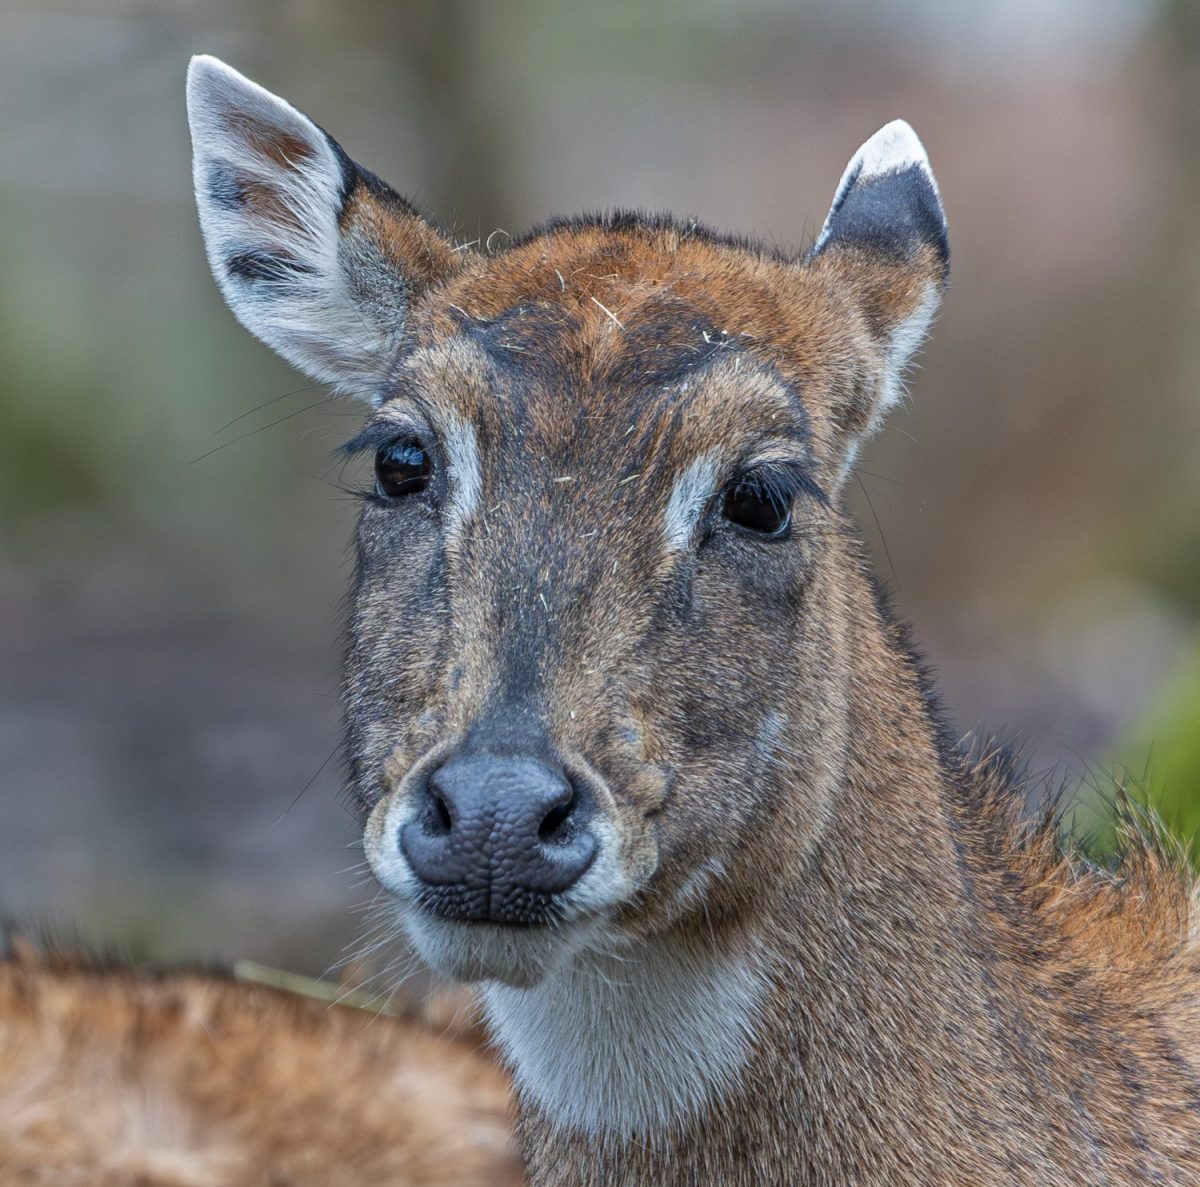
[782, 482]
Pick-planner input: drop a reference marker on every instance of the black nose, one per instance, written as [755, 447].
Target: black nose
[497, 838]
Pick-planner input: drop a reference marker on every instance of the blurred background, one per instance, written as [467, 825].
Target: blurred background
[173, 542]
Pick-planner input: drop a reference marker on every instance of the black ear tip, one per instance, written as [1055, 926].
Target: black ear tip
[888, 198]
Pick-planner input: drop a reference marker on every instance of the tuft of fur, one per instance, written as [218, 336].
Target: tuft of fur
[1132, 925]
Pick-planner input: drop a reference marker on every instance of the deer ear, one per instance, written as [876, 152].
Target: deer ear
[316, 256]
[884, 247]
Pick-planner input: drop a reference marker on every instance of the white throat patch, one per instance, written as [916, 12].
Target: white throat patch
[629, 1043]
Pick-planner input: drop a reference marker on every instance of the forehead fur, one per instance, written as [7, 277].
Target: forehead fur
[636, 305]
[670, 394]
[616, 276]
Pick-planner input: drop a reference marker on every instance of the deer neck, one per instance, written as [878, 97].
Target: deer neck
[791, 1047]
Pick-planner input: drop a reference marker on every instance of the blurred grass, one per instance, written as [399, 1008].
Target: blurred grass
[1162, 751]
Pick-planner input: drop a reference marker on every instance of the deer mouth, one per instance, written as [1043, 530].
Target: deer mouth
[520, 957]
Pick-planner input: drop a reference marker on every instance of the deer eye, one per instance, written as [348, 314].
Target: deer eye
[402, 467]
[758, 506]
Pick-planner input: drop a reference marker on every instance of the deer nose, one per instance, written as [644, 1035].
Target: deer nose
[496, 838]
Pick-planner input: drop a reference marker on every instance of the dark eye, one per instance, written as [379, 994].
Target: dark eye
[756, 505]
[402, 468]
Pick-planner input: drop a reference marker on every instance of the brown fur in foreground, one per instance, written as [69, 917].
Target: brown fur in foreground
[112, 1078]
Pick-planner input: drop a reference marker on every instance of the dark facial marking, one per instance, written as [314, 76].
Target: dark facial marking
[670, 340]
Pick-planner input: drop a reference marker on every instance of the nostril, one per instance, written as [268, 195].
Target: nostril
[555, 826]
[442, 819]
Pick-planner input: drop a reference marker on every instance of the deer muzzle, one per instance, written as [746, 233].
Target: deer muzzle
[496, 838]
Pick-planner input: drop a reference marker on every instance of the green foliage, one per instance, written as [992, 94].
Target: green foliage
[1163, 750]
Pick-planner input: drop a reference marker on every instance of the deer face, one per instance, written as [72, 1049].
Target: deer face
[598, 644]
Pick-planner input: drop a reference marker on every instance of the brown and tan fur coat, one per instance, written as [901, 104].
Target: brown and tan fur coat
[115, 1078]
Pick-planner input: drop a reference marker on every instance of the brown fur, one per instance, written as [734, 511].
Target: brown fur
[111, 1078]
[403, 238]
[268, 141]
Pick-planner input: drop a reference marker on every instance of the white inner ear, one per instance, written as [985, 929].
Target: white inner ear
[906, 340]
[270, 190]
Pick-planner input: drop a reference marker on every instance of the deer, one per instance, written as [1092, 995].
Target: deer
[113, 1075]
[638, 745]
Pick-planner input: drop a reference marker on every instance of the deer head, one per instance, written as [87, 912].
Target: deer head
[600, 638]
